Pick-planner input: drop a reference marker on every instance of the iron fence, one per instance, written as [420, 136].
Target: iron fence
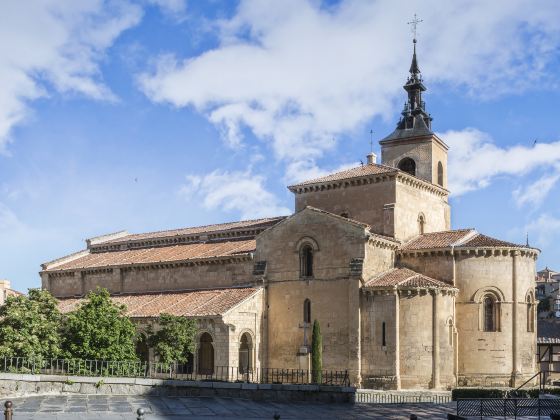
[388, 397]
[507, 407]
[158, 370]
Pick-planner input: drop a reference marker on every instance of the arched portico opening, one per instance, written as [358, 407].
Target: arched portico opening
[205, 355]
[245, 353]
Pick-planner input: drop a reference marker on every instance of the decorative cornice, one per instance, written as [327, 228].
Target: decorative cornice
[239, 235]
[410, 291]
[343, 183]
[472, 251]
[400, 176]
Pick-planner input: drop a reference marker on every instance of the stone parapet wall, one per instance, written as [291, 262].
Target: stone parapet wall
[19, 385]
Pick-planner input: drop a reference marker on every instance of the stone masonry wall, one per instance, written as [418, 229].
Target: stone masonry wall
[363, 203]
[333, 293]
[486, 358]
[148, 279]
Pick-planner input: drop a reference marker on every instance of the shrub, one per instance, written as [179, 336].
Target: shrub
[317, 354]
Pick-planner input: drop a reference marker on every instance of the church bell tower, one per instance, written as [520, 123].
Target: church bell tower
[413, 147]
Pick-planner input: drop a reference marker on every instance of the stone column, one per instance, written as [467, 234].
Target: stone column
[354, 332]
[397, 342]
[435, 339]
[514, 321]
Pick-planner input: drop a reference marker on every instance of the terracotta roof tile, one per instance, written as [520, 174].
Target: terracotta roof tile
[198, 303]
[484, 241]
[158, 254]
[359, 171]
[404, 278]
[467, 238]
[442, 239]
[243, 224]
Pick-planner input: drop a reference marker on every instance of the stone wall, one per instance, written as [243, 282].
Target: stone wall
[488, 358]
[360, 202]
[415, 366]
[17, 385]
[247, 318]
[379, 367]
[333, 292]
[411, 201]
[163, 277]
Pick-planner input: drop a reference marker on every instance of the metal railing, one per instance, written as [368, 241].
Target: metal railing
[507, 407]
[388, 397]
[158, 370]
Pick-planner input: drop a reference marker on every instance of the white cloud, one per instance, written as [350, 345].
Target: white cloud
[296, 74]
[544, 230]
[535, 193]
[474, 161]
[239, 191]
[55, 44]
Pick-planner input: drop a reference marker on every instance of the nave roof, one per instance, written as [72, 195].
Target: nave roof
[154, 255]
[193, 303]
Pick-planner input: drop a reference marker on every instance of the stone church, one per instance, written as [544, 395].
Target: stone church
[403, 301]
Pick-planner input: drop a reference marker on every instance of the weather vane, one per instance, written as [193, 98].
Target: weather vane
[414, 24]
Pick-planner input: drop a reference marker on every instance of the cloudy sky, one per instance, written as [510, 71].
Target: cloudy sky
[155, 114]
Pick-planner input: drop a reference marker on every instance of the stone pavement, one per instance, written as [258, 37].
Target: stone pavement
[86, 407]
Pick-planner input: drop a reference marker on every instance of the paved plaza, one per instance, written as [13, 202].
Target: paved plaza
[84, 407]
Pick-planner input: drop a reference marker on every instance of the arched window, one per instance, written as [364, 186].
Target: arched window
[205, 355]
[530, 313]
[421, 223]
[306, 261]
[450, 331]
[307, 311]
[408, 165]
[440, 173]
[489, 309]
[245, 353]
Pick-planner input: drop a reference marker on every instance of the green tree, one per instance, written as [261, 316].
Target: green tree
[99, 330]
[316, 354]
[29, 326]
[175, 339]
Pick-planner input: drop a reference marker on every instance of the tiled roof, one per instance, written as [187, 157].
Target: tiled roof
[404, 278]
[170, 253]
[359, 171]
[200, 303]
[442, 239]
[548, 331]
[243, 224]
[468, 238]
[484, 241]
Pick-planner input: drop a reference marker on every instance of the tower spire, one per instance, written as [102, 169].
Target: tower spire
[414, 69]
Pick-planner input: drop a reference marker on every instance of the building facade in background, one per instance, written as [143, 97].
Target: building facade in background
[403, 301]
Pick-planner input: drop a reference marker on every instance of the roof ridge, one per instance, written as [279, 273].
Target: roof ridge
[471, 235]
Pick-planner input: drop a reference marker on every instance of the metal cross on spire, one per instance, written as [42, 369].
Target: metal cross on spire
[414, 24]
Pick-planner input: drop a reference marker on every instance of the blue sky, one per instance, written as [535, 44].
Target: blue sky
[157, 114]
